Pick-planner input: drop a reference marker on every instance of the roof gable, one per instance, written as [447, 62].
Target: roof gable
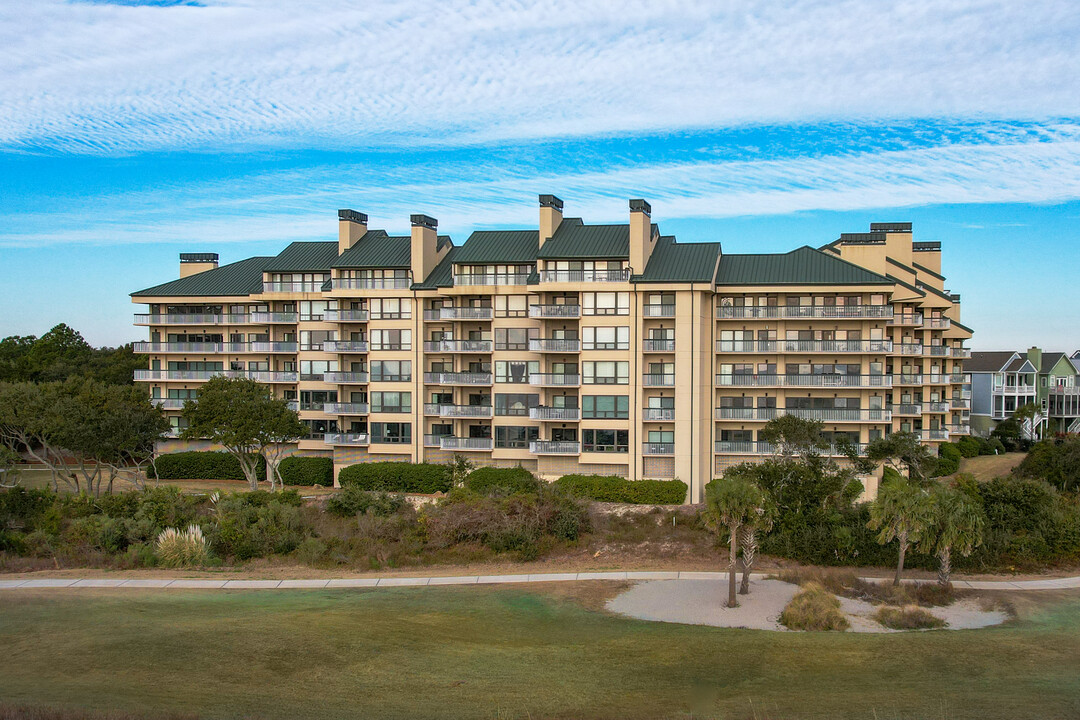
[499, 246]
[989, 360]
[376, 249]
[680, 262]
[802, 266]
[239, 278]
[574, 239]
[303, 257]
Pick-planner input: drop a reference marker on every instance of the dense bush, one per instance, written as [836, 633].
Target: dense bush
[249, 525]
[612, 488]
[949, 457]
[504, 481]
[1056, 461]
[354, 501]
[307, 470]
[814, 608]
[397, 477]
[200, 465]
[909, 617]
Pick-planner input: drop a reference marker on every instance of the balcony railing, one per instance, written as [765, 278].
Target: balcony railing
[657, 414]
[658, 311]
[492, 279]
[750, 447]
[272, 318]
[936, 379]
[961, 352]
[959, 403]
[959, 429]
[260, 375]
[658, 448]
[935, 434]
[293, 287]
[936, 350]
[457, 346]
[909, 349]
[457, 378]
[346, 439]
[907, 319]
[938, 323]
[346, 378]
[345, 346]
[170, 403]
[960, 378]
[937, 407]
[830, 415]
[432, 441]
[585, 276]
[605, 345]
[458, 411]
[907, 409]
[858, 381]
[178, 347]
[391, 283]
[449, 442]
[466, 313]
[657, 380]
[1014, 389]
[345, 408]
[554, 311]
[803, 346]
[359, 316]
[657, 345]
[554, 413]
[855, 312]
[555, 447]
[554, 379]
[903, 379]
[555, 345]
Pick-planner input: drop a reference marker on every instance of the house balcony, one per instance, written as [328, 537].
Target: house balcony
[959, 429]
[346, 316]
[936, 379]
[192, 319]
[274, 318]
[657, 380]
[658, 311]
[598, 345]
[458, 411]
[909, 349]
[457, 346]
[907, 319]
[907, 379]
[932, 435]
[658, 448]
[432, 441]
[1014, 390]
[835, 380]
[650, 345]
[466, 313]
[750, 447]
[585, 276]
[178, 347]
[555, 447]
[937, 407]
[959, 403]
[938, 323]
[380, 283]
[169, 403]
[554, 380]
[555, 345]
[352, 439]
[346, 378]
[650, 414]
[804, 346]
[457, 378]
[907, 409]
[828, 415]
[465, 444]
[555, 311]
[492, 279]
[960, 378]
[557, 414]
[345, 346]
[961, 352]
[259, 375]
[345, 408]
[936, 350]
[772, 312]
[293, 287]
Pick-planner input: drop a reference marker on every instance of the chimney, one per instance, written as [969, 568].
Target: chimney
[351, 227]
[550, 217]
[1034, 354]
[195, 263]
[425, 241]
[642, 239]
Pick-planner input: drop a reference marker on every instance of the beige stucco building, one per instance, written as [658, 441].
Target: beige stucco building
[570, 347]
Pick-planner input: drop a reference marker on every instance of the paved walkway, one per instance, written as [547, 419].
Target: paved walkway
[213, 584]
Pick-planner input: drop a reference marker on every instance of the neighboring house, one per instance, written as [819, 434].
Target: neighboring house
[569, 347]
[1004, 381]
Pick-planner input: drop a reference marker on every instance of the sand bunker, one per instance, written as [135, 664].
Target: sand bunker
[703, 602]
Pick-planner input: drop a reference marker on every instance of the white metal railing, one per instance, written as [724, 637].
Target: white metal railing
[961, 352]
[170, 403]
[938, 323]
[554, 413]
[346, 438]
[492, 279]
[960, 378]
[959, 403]
[959, 429]
[345, 408]
[458, 411]
[750, 447]
[804, 380]
[657, 345]
[936, 350]
[348, 315]
[190, 319]
[820, 414]
[293, 287]
[554, 379]
[457, 378]
[555, 345]
[264, 347]
[432, 440]
[273, 317]
[657, 380]
[660, 311]
[909, 349]
[466, 313]
[585, 276]
[260, 375]
[937, 407]
[907, 409]
[457, 346]
[909, 319]
[905, 379]
[346, 378]
[345, 346]
[554, 311]
[740, 312]
[555, 447]
[658, 414]
[390, 283]
[449, 442]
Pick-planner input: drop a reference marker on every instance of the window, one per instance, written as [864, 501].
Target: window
[515, 437]
[314, 339]
[605, 406]
[514, 338]
[515, 371]
[391, 433]
[315, 399]
[391, 308]
[609, 441]
[200, 366]
[605, 373]
[661, 436]
[391, 339]
[391, 402]
[515, 404]
[605, 338]
[391, 371]
[512, 305]
[606, 303]
[314, 309]
[314, 369]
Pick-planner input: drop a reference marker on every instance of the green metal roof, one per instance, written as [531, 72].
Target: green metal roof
[443, 274]
[803, 266]
[909, 286]
[304, 257]
[500, 246]
[962, 326]
[928, 271]
[376, 249]
[674, 262]
[574, 239]
[239, 278]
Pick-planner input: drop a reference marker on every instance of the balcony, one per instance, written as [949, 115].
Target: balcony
[661, 345]
[191, 319]
[458, 411]
[937, 407]
[555, 311]
[959, 429]
[432, 441]
[259, 375]
[457, 378]
[960, 403]
[457, 346]
[354, 439]
[750, 447]
[907, 409]
[936, 350]
[357, 316]
[178, 347]
[936, 379]
[388, 283]
[960, 352]
[345, 408]
[345, 346]
[658, 448]
[554, 380]
[772, 312]
[828, 415]
[569, 414]
[555, 345]
[960, 378]
[293, 287]
[262, 347]
[909, 349]
[1014, 390]
[907, 379]
[169, 403]
[658, 311]
[555, 447]
[491, 279]
[657, 380]
[938, 323]
[585, 276]
[651, 414]
[907, 319]
[465, 444]
[466, 313]
[346, 378]
[600, 345]
[853, 381]
[937, 434]
[273, 318]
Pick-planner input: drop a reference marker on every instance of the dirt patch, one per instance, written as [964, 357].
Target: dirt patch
[988, 467]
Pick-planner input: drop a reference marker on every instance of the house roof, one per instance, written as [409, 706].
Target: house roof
[376, 249]
[304, 257]
[574, 239]
[239, 278]
[1050, 359]
[802, 266]
[988, 361]
[680, 262]
[499, 246]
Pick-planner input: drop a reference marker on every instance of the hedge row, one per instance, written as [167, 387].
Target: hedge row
[490, 480]
[612, 488]
[302, 470]
[397, 477]
[202, 465]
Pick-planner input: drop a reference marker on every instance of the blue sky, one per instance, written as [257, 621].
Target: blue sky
[132, 131]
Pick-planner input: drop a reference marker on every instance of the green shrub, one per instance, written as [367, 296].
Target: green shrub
[889, 473]
[612, 488]
[307, 470]
[351, 500]
[1055, 461]
[909, 617]
[505, 481]
[948, 462]
[202, 465]
[814, 608]
[23, 509]
[968, 446]
[182, 548]
[424, 478]
[244, 527]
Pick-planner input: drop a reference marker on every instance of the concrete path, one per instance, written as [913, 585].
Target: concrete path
[214, 584]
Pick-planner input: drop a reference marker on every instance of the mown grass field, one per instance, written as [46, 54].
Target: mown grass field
[508, 652]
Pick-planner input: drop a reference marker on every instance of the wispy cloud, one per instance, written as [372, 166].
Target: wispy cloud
[121, 77]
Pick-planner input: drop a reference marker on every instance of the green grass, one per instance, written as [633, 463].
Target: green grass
[506, 652]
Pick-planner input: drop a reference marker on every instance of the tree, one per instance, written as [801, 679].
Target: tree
[9, 467]
[956, 523]
[29, 422]
[904, 451]
[760, 521]
[793, 436]
[730, 503]
[902, 512]
[58, 354]
[1028, 416]
[233, 413]
[280, 426]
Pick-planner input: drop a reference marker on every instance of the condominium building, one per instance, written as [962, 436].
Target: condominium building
[1004, 381]
[570, 347]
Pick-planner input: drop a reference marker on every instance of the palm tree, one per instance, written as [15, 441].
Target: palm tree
[760, 521]
[731, 503]
[956, 524]
[901, 512]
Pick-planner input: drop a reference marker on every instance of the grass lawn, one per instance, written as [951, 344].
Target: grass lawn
[988, 467]
[508, 652]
